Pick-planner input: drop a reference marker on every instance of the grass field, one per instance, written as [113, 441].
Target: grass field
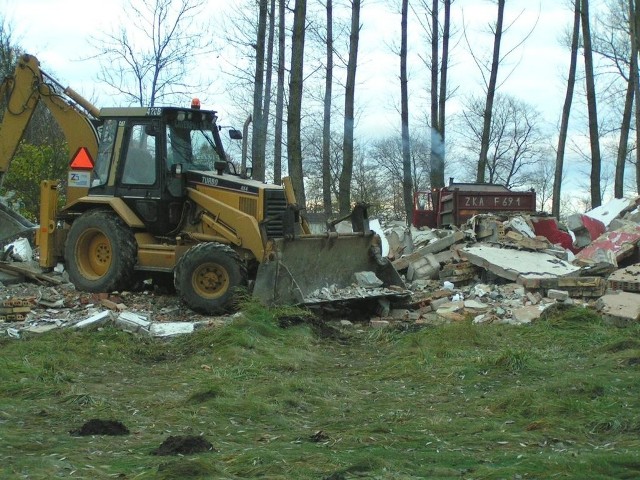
[280, 398]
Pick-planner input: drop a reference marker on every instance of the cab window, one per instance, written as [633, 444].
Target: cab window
[140, 160]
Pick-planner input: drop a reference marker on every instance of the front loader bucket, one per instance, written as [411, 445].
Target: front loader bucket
[13, 225]
[316, 269]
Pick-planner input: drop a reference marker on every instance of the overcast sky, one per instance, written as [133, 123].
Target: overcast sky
[57, 32]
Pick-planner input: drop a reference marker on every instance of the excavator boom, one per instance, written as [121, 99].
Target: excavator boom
[21, 93]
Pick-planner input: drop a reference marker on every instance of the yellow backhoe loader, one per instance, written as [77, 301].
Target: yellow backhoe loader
[152, 190]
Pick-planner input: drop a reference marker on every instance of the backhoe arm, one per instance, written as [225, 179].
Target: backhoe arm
[21, 93]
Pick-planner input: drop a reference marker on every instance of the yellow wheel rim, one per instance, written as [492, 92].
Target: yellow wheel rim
[210, 280]
[94, 253]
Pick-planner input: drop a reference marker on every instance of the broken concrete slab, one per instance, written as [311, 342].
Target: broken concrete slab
[619, 309]
[11, 278]
[521, 225]
[424, 267]
[517, 265]
[399, 239]
[529, 243]
[617, 244]
[613, 209]
[584, 228]
[526, 314]
[548, 227]
[132, 322]
[435, 246]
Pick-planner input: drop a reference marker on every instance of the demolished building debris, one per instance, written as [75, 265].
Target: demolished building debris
[495, 269]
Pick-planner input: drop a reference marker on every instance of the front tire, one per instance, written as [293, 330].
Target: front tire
[100, 252]
[208, 277]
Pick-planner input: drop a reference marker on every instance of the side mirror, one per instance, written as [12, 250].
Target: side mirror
[220, 166]
[235, 134]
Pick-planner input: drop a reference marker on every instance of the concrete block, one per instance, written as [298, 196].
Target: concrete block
[423, 267]
[560, 295]
[475, 305]
[620, 309]
[526, 314]
[132, 322]
[95, 320]
[170, 329]
[438, 302]
[399, 313]
[367, 279]
[379, 323]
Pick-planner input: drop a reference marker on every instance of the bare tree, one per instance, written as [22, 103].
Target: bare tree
[294, 145]
[612, 40]
[277, 149]
[541, 179]
[344, 199]
[407, 191]
[594, 139]
[623, 144]
[491, 91]
[149, 59]
[326, 121]
[439, 91]
[259, 119]
[635, 41]
[566, 110]
[515, 145]
[388, 156]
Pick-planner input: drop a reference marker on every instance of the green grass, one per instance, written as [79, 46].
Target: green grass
[282, 396]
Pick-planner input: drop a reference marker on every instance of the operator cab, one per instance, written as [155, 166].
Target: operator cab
[144, 153]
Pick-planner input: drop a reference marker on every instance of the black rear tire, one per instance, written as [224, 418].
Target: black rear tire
[209, 276]
[100, 252]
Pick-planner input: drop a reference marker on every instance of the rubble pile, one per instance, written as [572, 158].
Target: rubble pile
[494, 269]
[526, 263]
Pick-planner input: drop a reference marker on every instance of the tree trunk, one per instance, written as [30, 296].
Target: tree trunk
[407, 183]
[262, 141]
[294, 146]
[347, 150]
[636, 85]
[257, 153]
[437, 178]
[594, 141]
[625, 126]
[436, 170]
[491, 91]
[566, 111]
[326, 123]
[277, 149]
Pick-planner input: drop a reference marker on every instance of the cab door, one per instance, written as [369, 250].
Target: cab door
[142, 177]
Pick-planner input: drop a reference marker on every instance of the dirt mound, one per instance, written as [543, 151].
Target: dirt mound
[101, 427]
[183, 445]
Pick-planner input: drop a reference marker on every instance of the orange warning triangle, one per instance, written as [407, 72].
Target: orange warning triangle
[82, 160]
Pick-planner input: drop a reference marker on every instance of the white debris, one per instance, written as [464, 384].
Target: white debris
[95, 320]
[21, 250]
